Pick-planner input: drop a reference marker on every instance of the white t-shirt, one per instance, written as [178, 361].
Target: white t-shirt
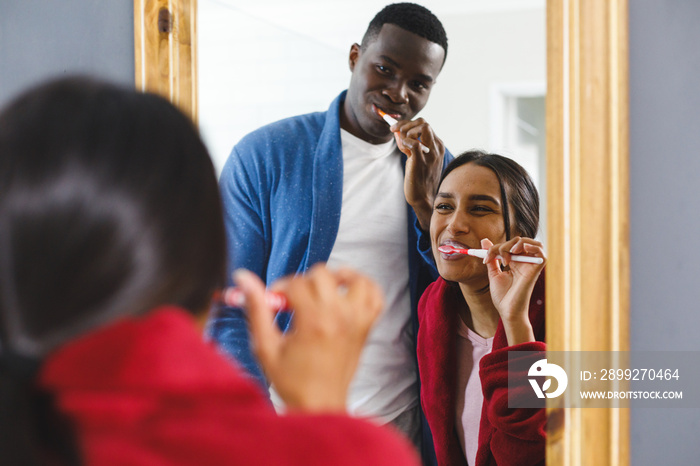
[373, 239]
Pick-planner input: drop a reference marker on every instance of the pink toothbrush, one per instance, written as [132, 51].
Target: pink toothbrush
[447, 249]
[234, 297]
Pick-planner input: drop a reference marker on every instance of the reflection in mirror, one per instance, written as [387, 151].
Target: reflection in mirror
[270, 59]
[587, 167]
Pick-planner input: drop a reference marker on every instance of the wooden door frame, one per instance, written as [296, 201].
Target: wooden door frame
[587, 186]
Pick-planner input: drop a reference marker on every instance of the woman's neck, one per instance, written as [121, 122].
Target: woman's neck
[480, 315]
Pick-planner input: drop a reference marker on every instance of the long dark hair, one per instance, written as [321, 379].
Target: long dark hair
[517, 190]
[109, 206]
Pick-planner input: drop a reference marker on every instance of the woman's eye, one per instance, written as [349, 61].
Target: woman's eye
[443, 207]
[481, 209]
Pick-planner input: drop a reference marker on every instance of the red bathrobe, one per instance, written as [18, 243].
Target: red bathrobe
[149, 391]
[506, 436]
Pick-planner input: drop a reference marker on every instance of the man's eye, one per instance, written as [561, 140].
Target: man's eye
[383, 69]
[419, 85]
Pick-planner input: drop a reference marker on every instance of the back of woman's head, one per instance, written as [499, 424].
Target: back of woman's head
[109, 206]
[518, 192]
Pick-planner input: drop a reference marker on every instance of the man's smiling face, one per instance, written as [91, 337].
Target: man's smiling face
[395, 73]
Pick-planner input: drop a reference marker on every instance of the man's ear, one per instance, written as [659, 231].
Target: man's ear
[355, 53]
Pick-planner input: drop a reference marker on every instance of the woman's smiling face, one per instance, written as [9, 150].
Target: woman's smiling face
[467, 209]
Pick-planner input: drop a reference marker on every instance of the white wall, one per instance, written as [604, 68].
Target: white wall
[265, 60]
[486, 49]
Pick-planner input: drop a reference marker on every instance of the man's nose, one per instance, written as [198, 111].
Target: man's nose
[397, 92]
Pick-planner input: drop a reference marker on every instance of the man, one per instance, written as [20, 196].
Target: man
[332, 186]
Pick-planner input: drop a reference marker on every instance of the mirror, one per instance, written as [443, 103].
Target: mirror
[587, 182]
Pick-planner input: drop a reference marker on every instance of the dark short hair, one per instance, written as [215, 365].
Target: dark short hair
[517, 190]
[411, 17]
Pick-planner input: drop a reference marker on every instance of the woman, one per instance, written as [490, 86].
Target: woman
[111, 237]
[478, 311]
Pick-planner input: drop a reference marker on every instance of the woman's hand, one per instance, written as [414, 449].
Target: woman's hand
[512, 287]
[312, 365]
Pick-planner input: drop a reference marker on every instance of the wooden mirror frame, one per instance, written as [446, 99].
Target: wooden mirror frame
[587, 296]
[587, 186]
[165, 50]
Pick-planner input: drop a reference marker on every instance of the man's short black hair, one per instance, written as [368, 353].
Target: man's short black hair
[411, 17]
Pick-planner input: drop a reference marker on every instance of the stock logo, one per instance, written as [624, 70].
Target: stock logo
[542, 368]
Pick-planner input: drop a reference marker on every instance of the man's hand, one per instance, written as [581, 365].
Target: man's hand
[423, 168]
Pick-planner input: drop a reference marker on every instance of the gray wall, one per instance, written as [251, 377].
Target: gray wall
[41, 39]
[665, 209]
